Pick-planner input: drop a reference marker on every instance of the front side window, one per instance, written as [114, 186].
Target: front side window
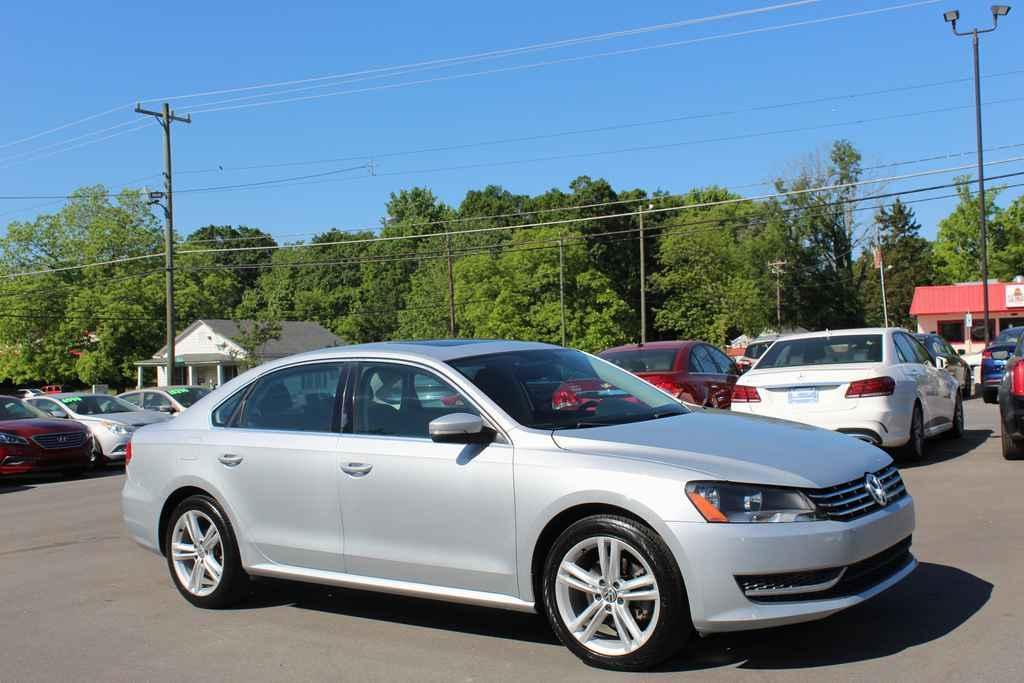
[299, 399]
[401, 400]
[564, 389]
[49, 407]
[721, 361]
[134, 399]
[756, 350]
[830, 350]
[155, 401]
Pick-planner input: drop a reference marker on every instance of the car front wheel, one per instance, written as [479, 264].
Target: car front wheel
[614, 596]
[914, 449]
[202, 554]
[1012, 450]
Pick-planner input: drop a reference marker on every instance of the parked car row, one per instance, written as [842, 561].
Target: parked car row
[43, 432]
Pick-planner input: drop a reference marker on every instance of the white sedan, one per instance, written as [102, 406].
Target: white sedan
[877, 384]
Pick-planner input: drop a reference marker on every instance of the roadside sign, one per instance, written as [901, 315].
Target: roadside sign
[968, 321]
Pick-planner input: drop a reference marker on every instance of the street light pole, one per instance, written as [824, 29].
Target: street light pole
[952, 17]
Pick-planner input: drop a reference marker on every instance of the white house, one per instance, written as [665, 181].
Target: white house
[206, 353]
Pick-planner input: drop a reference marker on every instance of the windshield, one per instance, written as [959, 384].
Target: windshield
[836, 350]
[643, 360]
[186, 396]
[564, 389]
[756, 350]
[96, 405]
[13, 409]
[1010, 336]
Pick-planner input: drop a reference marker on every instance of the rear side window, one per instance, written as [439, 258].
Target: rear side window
[700, 361]
[134, 399]
[643, 360]
[910, 350]
[834, 350]
[299, 399]
[721, 361]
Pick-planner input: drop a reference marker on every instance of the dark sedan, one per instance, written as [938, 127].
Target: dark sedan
[692, 371]
[944, 356]
[32, 442]
[1011, 404]
[993, 361]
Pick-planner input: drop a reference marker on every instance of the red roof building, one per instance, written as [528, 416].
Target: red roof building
[947, 310]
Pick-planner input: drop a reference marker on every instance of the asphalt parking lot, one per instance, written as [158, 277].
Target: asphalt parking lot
[79, 601]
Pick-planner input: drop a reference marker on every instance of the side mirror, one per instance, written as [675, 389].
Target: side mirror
[941, 363]
[460, 428]
[166, 409]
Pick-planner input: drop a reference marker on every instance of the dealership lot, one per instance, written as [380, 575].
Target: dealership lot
[81, 601]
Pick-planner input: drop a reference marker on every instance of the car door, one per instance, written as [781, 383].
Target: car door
[712, 380]
[273, 454]
[941, 384]
[726, 378]
[913, 370]
[415, 510]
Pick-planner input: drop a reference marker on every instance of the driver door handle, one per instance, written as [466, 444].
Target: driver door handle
[230, 460]
[356, 469]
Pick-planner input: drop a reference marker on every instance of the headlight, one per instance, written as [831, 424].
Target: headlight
[118, 428]
[12, 440]
[725, 502]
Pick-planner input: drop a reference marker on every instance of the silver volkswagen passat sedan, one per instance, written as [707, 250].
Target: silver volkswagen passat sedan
[522, 476]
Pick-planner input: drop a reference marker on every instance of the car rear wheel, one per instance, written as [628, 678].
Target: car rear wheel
[990, 395]
[613, 594]
[202, 554]
[913, 451]
[1012, 450]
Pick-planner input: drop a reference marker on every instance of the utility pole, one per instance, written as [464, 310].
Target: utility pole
[451, 289]
[165, 117]
[643, 279]
[777, 268]
[881, 273]
[951, 17]
[561, 283]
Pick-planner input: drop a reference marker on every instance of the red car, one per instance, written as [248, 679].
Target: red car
[31, 441]
[692, 371]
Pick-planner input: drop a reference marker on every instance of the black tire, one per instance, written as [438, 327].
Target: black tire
[234, 582]
[98, 459]
[673, 627]
[967, 390]
[990, 395]
[914, 450]
[1012, 450]
[958, 421]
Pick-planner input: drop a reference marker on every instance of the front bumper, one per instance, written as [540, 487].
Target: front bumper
[111, 445]
[713, 556]
[39, 461]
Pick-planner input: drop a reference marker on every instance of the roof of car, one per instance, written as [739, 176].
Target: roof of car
[434, 349]
[173, 386]
[841, 333]
[675, 344]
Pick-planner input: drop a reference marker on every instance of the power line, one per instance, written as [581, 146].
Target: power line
[226, 106]
[434, 63]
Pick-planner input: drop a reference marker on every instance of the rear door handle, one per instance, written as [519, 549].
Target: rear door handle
[230, 460]
[356, 469]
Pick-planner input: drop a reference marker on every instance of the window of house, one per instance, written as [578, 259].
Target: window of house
[951, 330]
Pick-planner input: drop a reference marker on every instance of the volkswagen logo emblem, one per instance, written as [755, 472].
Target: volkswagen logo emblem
[874, 486]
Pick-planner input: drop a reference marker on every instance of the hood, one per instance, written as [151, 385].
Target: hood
[732, 447]
[33, 426]
[135, 418]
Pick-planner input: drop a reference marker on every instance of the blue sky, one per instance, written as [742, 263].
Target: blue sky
[102, 55]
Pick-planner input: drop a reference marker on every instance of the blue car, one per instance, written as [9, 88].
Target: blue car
[993, 362]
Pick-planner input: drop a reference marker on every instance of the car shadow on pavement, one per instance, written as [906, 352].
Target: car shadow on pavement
[24, 482]
[401, 609]
[12, 487]
[932, 602]
[942, 450]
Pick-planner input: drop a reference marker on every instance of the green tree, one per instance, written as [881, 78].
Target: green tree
[957, 246]
[908, 262]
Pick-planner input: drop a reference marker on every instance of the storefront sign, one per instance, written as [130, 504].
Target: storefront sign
[1015, 296]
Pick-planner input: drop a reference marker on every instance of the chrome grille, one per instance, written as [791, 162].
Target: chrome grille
[852, 500]
[59, 440]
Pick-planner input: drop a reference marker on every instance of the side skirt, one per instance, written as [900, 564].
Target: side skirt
[418, 590]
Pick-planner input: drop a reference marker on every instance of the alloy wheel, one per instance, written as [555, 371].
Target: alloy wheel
[607, 596]
[197, 553]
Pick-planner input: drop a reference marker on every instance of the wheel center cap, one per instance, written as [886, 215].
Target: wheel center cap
[610, 595]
